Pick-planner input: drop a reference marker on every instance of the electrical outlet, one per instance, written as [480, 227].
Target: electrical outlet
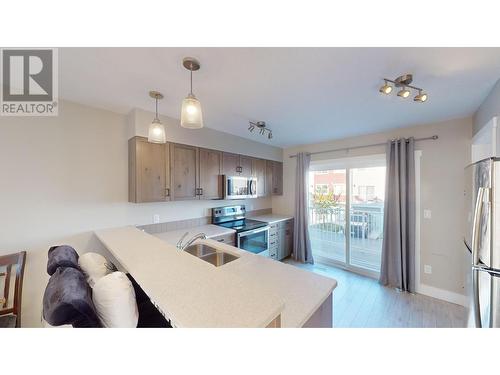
[156, 219]
[427, 214]
[427, 269]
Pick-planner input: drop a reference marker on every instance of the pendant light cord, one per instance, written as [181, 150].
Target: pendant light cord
[191, 70]
[156, 101]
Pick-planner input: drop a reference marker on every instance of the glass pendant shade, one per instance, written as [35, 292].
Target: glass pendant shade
[156, 132]
[191, 116]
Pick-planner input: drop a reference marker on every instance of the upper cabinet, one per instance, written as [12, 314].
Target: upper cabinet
[245, 166]
[274, 177]
[259, 172]
[236, 165]
[184, 167]
[211, 185]
[172, 171]
[149, 178]
[230, 164]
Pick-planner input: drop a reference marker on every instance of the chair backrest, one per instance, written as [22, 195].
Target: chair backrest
[6, 262]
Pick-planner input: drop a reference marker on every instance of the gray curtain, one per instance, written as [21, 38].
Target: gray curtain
[301, 243]
[398, 248]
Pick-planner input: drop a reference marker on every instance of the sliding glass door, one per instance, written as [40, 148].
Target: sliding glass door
[346, 214]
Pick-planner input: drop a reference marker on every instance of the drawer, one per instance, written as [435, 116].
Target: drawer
[273, 253]
[228, 239]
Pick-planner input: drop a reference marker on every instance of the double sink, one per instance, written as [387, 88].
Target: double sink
[210, 254]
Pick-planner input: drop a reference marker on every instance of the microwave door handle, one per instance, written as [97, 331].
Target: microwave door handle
[478, 211]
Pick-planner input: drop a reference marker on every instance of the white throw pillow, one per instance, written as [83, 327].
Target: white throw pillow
[114, 300]
[94, 266]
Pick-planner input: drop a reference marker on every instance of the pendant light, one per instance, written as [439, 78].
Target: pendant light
[156, 132]
[191, 116]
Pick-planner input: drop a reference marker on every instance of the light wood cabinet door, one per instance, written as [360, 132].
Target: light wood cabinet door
[274, 177]
[149, 179]
[277, 171]
[245, 166]
[230, 164]
[210, 174]
[184, 164]
[269, 177]
[259, 172]
[288, 245]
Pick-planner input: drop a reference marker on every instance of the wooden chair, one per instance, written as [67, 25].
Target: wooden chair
[10, 317]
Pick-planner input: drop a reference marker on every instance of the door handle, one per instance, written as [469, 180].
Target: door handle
[478, 212]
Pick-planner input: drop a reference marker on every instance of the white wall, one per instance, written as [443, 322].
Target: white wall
[488, 109]
[205, 137]
[63, 177]
[442, 176]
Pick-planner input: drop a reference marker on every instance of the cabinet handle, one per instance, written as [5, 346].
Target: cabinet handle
[221, 240]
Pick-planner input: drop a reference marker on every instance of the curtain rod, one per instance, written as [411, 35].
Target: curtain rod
[434, 137]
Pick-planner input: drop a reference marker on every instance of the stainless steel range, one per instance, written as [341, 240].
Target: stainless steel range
[251, 235]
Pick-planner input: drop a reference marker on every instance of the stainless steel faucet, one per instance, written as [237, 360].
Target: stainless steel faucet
[180, 246]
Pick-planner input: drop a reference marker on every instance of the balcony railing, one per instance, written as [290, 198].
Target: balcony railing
[327, 228]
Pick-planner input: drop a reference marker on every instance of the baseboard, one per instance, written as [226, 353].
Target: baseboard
[444, 295]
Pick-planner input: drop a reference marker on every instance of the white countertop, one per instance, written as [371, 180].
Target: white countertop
[248, 292]
[271, 218]
[210, 230]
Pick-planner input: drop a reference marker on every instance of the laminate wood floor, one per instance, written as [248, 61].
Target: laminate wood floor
[362, 302]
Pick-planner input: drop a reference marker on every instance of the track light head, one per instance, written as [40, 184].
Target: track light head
[404, 93]
[386, 89]
[251, 128]
[270, 135]
[421, 97]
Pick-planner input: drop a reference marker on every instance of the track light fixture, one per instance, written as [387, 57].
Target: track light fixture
[386, 89]
[404, 83]
[421, 97]
[404, 93]
[261, 126]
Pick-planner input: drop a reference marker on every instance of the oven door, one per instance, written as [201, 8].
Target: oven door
[255, 241]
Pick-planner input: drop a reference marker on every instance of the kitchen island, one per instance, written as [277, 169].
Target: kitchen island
[251, 291]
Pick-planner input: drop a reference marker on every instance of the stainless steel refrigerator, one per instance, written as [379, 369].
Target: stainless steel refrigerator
[482, 239]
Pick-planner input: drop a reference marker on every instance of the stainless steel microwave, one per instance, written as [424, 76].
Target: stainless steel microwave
[239, 187]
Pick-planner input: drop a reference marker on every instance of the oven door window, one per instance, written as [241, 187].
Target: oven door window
[255, 242]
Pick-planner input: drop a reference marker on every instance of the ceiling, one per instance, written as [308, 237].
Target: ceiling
[305, 95]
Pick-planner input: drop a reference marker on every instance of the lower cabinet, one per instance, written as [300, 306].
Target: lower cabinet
[228, 239]
[281, 239]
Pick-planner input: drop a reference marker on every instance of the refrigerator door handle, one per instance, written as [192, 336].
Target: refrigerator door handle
[478, 212]
[475, 295]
